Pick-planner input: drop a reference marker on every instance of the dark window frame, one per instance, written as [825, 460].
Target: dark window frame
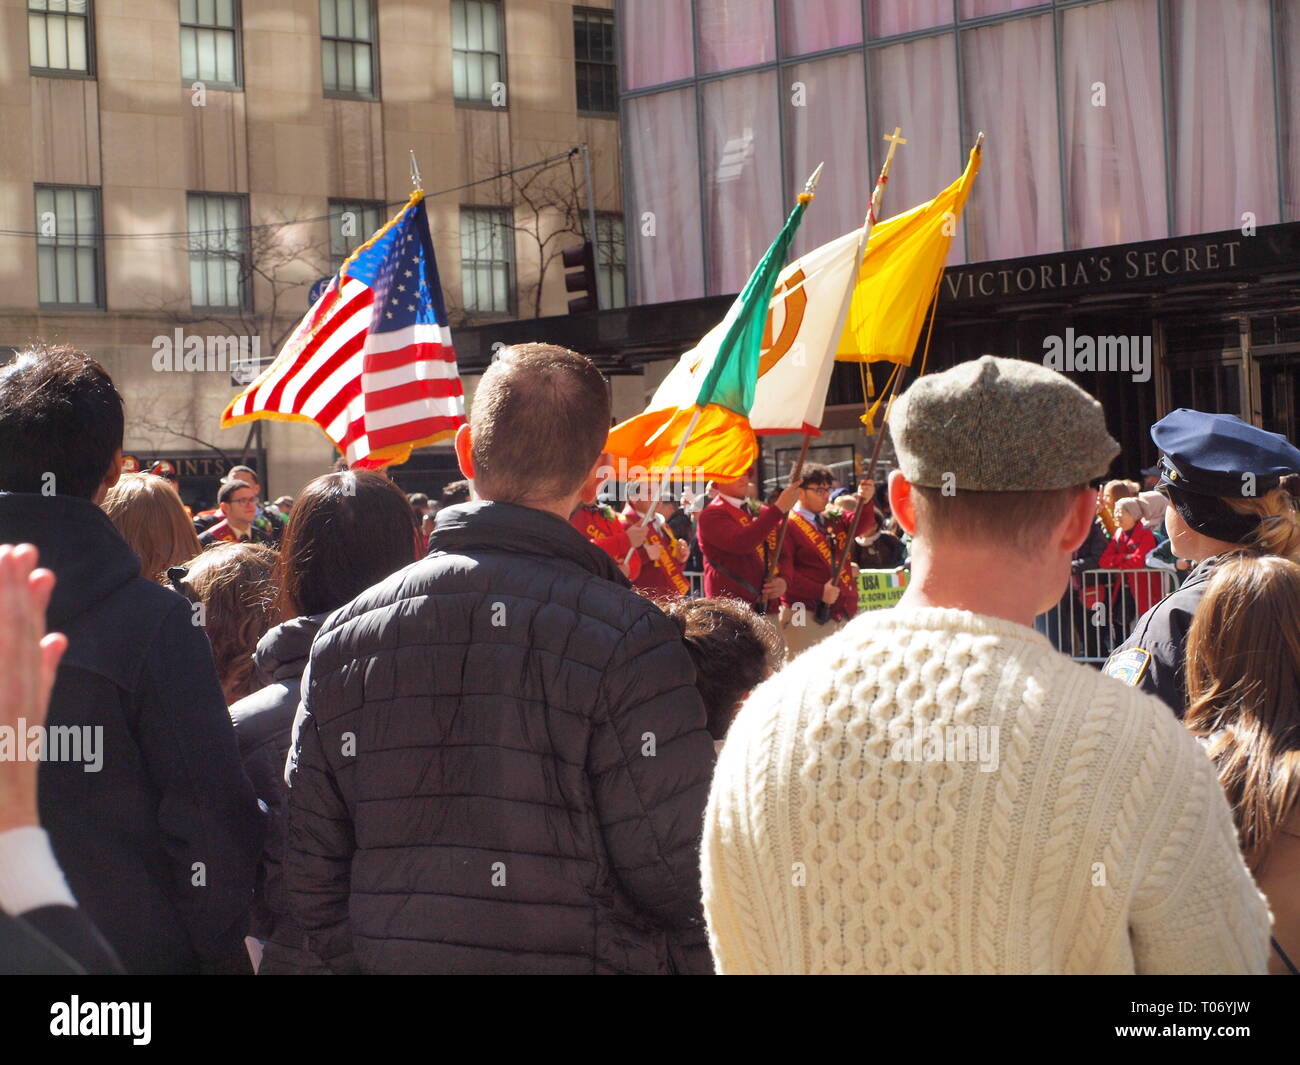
[373, 93]
[245, 279]
[89, 74]
[511, 263]
[339, 204]
[610, 66]
[237, 29]
[611, 216]
[483, 103]
[96, 191]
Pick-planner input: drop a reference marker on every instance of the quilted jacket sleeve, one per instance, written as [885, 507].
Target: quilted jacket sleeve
[650, 762]
[319, 842]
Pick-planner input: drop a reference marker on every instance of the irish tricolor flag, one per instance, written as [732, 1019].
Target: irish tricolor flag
[711, 387]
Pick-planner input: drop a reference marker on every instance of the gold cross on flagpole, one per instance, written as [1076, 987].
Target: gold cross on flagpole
[894, 141]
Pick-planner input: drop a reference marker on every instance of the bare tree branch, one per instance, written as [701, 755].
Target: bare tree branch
[546, 214]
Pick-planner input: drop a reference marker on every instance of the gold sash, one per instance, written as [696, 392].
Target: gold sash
[819, 541]
[667, 561]
[761, 549]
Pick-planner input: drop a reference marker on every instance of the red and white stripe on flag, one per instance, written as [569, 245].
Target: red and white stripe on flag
[377, 395]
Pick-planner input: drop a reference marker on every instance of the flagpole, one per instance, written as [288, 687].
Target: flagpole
[823, 608]
[823, 611]
[809, 186]
[873, 214]
[774, 564]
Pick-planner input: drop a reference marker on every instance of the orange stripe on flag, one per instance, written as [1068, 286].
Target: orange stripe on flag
[722, 446]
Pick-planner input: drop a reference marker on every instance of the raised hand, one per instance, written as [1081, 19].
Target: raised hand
[29, 659]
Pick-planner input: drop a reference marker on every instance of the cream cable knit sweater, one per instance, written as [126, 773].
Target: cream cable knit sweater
[1084, 832]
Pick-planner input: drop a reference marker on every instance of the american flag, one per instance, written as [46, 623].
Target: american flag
[371, 364]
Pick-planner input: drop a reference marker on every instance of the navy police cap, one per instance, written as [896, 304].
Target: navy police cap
[1209, 453]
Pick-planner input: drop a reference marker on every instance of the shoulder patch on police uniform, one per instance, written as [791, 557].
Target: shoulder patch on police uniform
[1127, 667]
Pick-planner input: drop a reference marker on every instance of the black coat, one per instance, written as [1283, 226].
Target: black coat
[160, 845]
[1088, 554]
[263, 725]
[500, 765]
[54, 941]
[1160, 641]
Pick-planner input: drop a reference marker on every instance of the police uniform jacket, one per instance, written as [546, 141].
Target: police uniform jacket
[1153, 655]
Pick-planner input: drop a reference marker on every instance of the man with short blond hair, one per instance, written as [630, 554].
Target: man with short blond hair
[935, 789]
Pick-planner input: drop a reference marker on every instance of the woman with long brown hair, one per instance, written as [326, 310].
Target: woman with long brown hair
[1243, 683]
[347, 531]
[151, 518]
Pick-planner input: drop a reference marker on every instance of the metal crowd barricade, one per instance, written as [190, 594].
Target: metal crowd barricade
[1100, 608]
[697, 582]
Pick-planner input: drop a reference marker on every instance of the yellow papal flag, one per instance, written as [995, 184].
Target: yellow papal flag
[902, 266]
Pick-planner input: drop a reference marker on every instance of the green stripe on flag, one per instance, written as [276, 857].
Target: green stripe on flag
[733, 377]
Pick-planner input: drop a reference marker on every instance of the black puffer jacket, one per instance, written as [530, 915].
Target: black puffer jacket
[263, 725]
[500, 765]
[160, 843]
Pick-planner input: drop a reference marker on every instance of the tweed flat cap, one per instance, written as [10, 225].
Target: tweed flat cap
[1000, 425]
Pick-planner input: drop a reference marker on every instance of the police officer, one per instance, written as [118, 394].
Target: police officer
[1220, 476]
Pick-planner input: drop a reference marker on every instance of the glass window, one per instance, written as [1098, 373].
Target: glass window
[657, 42]
[1010, 82]
[980, 8]
[890, 17]
[1288, 53]
[352, 223]
[743, 206]
[218, 242]
[593, 51]
[1114, 129]
[347, 42]
[68, 246]
[611, 262]
[476, 49]
[1224, 143]
[58, 33]
[813, 27]
[487, 261]
[734, 33]
[914, 85]
[209, 42]
[826, 121]
[664, 191]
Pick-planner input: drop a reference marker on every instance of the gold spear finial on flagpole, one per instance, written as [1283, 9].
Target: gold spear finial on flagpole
[810, 186]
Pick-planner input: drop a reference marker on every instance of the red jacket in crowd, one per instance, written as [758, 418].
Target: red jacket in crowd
[736, 546]
[1129, 550]
[601, 526]
[663, 575]
[808, 557]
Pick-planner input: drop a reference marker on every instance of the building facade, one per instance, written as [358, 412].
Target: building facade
[190, 168]
[1141, 176]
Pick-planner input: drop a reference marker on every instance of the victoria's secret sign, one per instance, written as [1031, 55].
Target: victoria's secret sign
[1153, 264]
